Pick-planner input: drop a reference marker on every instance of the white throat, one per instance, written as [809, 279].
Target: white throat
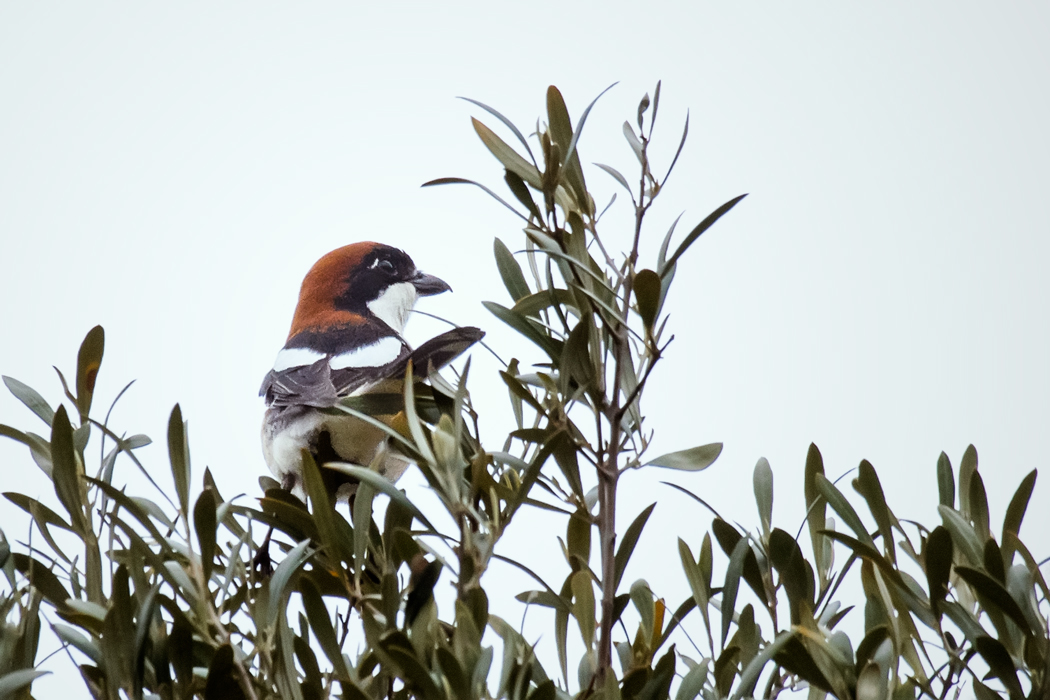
[394, 305]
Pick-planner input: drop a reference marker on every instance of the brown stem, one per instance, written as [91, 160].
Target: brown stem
[607, 477]
[608, 470]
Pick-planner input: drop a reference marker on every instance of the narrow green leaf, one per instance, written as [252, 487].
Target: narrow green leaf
[1030, 563]
[695, 577]
[525, 328]
[571, 159]
[870, 644]
[453, 672]
[867, 485]
[510, 271]
[910, 593]
[137, 510]
[979, 507]
[414, 674]
[762, 480]
[544, 691]
[222, 682]
[578, 540]
[323, 511]
[42, 579]
[576, 363]
[634, 142]
[641, 595]
[506, 122]
[726, 669]
[561, 627]
[464, 181]
[1002, 666]
[732, 584]
[519, 390]
[507, 155]
[1015, 513]
[204, 522]
[983, 692]
[66, 471]
[751, 673]
[89, 359]
[658, 686]
[945, 481]
[32, 400]
[629, 540]
[870, 685]
[816, 511]
[481, 671]
[963, 535]
[178, 452]
[118, 631]
[145, 615]
[533, 304]
[616, 175]
[696, 498]
[647, 296]
[796, 578]
[692, 460]
[321, 624]
[841, 506]
[40, 513]
[16, 680]
[291, 564]
[939, 553]
[38, 447]
[692, 683]
[996, 594]
[362, 524]
[728, 538]
[312, 683]
[993, 560]
[700, 228]
[73, 637]
[583, 605]
[967, 467]
[383, 485]
[521, 193]
[569, 164]
[681, 145]
[547, 599]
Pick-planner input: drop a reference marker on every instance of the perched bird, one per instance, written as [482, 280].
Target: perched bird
[346, 340]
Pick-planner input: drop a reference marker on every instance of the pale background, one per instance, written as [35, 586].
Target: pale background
[171, 172]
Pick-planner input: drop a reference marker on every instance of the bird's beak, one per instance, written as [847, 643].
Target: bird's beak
[427, 285]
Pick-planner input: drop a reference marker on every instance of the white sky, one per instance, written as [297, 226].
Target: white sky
[171, 172]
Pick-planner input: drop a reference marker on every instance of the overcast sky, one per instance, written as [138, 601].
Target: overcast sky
[172, 170]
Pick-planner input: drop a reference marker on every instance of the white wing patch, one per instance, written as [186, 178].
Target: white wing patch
[377, 354]
[295, 357]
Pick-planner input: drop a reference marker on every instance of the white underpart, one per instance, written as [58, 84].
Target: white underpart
[356, 441]
[394, 304]
[377, 354]
[295, 357]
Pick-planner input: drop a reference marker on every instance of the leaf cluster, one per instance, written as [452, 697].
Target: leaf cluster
[164, 596]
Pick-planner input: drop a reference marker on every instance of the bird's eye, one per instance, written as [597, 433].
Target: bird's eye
[385, 266]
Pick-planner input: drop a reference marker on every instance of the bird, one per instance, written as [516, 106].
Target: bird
[346, 340]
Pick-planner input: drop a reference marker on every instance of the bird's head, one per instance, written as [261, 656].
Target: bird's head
[361, 280]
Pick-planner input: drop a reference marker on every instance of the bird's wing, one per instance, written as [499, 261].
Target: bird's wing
[436, 352]
[303, 377]
[303, 385]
